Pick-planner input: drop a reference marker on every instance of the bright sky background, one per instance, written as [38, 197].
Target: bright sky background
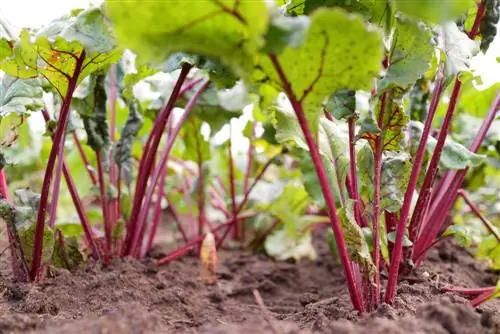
[35, 13]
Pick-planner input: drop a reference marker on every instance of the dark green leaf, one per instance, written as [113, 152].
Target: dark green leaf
[20, 96]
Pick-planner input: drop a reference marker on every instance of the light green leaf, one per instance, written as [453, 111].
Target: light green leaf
[340, 52]
[461, 233]
[20, 96]
[285, 31]
[27, 237]
[433, 11]
[454, 155]
[282, 246]
[489, 249]
[70, 229]
[411, 55]
[396, 169]
[394, 123]
[228, 30]
[372, 10]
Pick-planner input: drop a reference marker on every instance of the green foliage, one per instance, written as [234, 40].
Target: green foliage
[229, 31]
[19, 96]
[342, 104]
[489, 249]
[411, 54]
[54, 52]
[434, 11]
[331, 58]
[454, 155]
[488, 27]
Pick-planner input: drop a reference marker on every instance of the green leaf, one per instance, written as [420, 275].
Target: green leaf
[489, 22]
[394, 123]
[391, 236]
[130, 79]
[95, 117]
[342, 104]
[489, 249]
[396, 169]
[355, 239]
[310, 179]
[67, 255]
[372, 10]
[434, 11]
[461, 233]
[411, 54]
[70, 229]
[52, 56]
[228, 30]
[27, 237]
[20, 96]
[285, 31]
[339, 52]
[196, 148]
[394, 178]
[282, 246]
[454, 155]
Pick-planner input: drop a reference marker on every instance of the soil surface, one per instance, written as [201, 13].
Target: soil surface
[306, 297]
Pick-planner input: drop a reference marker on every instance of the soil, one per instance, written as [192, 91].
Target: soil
[306, 297]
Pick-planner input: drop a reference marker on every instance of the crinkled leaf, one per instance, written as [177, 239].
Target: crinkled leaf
[459, 49]
[27, 237]
[95, 117]
[54, 57]
[67, 255]
[394, 178]
[411, 55]
[342, 104]
[20, 96]
[394, 123]
[123, 149]
[355, 239]
[433, 11]
[396, 169]
[227, 30]
[489, 22]
[339, 52]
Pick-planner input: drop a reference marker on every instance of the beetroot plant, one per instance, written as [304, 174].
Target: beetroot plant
[347, 109]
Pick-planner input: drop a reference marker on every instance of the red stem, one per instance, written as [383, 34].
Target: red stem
[484, 297]
[376, 202]
[58, 140]
[201, 186]
[325, 186]
[57, 187]
[77, 202]
[232, 187]
[4, 189]
[104, 205]
[405, 209]
[113, 181]
[429, 234]
[147, 161]
[468, 291]
[85, 160]
[489, 226]
[141, 220]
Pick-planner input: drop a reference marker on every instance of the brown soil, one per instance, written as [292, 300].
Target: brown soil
[309, 297]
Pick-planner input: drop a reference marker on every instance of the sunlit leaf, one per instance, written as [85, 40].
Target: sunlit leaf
[434, 11]
[331, 58]
[229, 30]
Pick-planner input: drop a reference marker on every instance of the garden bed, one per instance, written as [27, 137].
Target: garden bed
[134, 297]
